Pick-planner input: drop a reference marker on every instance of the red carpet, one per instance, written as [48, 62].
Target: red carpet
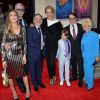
[55, 92]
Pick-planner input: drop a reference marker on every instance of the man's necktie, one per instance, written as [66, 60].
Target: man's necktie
[67, 47]
[39, 32]
[74, 34]
[20, 22]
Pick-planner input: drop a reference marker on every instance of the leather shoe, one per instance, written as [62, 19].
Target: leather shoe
[80, 85]
[36, 88]
[16, 99]
[27, 98]
[89, 89]
[42, 85]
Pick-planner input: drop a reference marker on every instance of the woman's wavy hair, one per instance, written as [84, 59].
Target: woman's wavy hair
[8, 24]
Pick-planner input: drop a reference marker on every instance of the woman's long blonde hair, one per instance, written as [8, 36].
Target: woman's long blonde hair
[8, 24]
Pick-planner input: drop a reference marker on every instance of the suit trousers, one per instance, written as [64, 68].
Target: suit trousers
[36, 70]
[64, 64]
[77, 67]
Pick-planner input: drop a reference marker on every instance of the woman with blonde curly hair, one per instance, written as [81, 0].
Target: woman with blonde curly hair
[90, 52]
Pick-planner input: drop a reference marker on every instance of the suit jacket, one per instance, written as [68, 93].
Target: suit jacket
[61, 51]
[24, 22]
[76, 44]
[33, 43]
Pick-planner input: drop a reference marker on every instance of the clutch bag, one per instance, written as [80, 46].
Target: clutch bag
[4, 78]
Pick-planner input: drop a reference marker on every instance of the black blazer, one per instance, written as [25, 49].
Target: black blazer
[76, 44]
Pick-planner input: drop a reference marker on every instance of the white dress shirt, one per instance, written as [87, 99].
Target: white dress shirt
[75, 27]
[42, 42]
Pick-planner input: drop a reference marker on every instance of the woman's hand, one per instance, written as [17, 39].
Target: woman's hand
[24, 60]
[4, 64]
[97, 59]
[31, 25]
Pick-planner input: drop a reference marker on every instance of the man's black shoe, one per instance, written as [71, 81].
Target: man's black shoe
[80, 84]
[36, 88]
[42, 85]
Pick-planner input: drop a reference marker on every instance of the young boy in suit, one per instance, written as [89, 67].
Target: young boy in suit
[63, 56]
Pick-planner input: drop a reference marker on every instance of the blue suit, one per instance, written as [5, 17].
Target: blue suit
[90, 50]
[34, 55]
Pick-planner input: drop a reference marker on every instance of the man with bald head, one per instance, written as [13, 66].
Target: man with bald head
[20, 9]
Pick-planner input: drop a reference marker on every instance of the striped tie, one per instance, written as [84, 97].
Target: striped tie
[74, 34]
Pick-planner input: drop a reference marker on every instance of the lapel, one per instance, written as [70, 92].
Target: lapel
[45, 22]
[77, 32]
[36, 31]
[70, 36]
[25, 23]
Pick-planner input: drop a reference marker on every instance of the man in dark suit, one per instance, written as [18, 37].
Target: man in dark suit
[35, 46]
[20, 9]
[75, 36]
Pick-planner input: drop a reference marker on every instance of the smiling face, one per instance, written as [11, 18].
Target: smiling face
[20, 9]
[49, 11]
[13, 17]
[72, 19]
[37, 20]
[87, 25]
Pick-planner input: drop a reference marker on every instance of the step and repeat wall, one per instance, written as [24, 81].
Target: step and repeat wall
[92, 8]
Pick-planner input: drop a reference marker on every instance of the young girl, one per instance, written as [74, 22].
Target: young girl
[63, 56]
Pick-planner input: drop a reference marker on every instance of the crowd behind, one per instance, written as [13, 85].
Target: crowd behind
[24, 46]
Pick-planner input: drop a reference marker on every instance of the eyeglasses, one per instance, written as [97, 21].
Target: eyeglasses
[22, 10]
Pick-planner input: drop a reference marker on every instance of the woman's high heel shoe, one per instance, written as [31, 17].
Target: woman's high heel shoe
[16, 99]
[27, 98]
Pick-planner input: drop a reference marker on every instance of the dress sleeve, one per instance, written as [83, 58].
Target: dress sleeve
[3, 51]
[24, 40]
[96, 43]
[82, 46]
